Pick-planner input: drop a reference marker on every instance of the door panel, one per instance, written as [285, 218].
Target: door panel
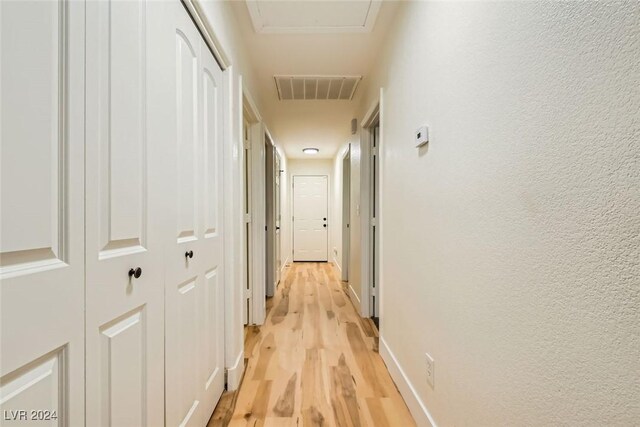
[123, 360]
[187, 140]
[194, 305]
[183, 273]
[125, 314]
[310, 218]
[211, 321]
[41, 209]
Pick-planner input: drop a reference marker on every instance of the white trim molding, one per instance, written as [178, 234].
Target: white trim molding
[355, 300]
[418, 409]
[234, 373]
[195, 10]
[366, 137]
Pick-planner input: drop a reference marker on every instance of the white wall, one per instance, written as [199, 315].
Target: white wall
[311, 167]
[511, 243]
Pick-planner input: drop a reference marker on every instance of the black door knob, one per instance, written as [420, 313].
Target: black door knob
[324, 225]
[324, 219]
[135, 272]
[188, 254]
[277, 228]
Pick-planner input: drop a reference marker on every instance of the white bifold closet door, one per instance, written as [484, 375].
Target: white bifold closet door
[42, 213]
[125, 189]
[194, 259]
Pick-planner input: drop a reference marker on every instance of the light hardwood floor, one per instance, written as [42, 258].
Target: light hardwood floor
[313, 363]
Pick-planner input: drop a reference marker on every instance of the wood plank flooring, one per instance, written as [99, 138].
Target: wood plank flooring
[313, 363]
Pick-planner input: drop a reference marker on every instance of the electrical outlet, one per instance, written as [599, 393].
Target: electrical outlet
[430, 369]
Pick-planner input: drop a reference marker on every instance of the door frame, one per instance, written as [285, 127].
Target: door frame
[249, 243]
[270, 215]
[346, 214]
[373, 118]
[259, 134]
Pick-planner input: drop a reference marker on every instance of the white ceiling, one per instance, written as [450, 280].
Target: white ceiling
[303, 123]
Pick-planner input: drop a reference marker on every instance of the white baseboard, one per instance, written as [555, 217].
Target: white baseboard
[337, 265]
[234, 373]
[416, 406]
[284, 265]
[355, 299]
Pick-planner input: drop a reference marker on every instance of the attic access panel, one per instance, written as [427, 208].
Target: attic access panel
[316, 87]
[313, 16]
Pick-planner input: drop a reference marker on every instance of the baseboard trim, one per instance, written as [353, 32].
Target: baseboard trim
[284, 264]
[416, 406]
[355, 300]
[234, 374]
[337, 264]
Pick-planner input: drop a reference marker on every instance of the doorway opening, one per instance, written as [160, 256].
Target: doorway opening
[272, 216]
[374, 229]
[371, 147]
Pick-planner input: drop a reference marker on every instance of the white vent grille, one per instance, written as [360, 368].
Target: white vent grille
[316, 87]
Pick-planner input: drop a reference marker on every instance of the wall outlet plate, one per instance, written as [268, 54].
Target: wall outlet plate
[430, 370]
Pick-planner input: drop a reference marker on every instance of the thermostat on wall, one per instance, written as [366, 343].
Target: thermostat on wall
[422, 136]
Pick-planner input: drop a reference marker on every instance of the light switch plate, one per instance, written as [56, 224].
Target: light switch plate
[422, 136]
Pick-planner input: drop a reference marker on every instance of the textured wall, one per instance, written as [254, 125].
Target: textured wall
[511, 244]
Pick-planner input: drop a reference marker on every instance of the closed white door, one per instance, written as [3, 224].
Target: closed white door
[194, 259]
[126, 138]
[42, 212]
[310, 215]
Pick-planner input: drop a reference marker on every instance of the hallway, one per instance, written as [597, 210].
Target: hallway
[314, 362]
[319, 213]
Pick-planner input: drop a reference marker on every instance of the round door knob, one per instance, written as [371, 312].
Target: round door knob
[324, 225]
[135, 272]
[188, 254]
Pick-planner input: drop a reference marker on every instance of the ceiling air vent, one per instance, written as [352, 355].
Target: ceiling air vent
[316, 87]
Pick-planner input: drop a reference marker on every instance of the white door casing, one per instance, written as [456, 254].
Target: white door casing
[278, 215]
[194, 283]
[126, 139]
[42, 210]
[310, 218]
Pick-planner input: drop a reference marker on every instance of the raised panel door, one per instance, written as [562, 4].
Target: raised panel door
[211, 320]
[184, 256]
[124, 182]
[42, 211]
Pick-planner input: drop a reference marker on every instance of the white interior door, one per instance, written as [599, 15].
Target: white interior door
[124, 189]
[211, 321]
[310, 215]
[194, 285]
[42, 212]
